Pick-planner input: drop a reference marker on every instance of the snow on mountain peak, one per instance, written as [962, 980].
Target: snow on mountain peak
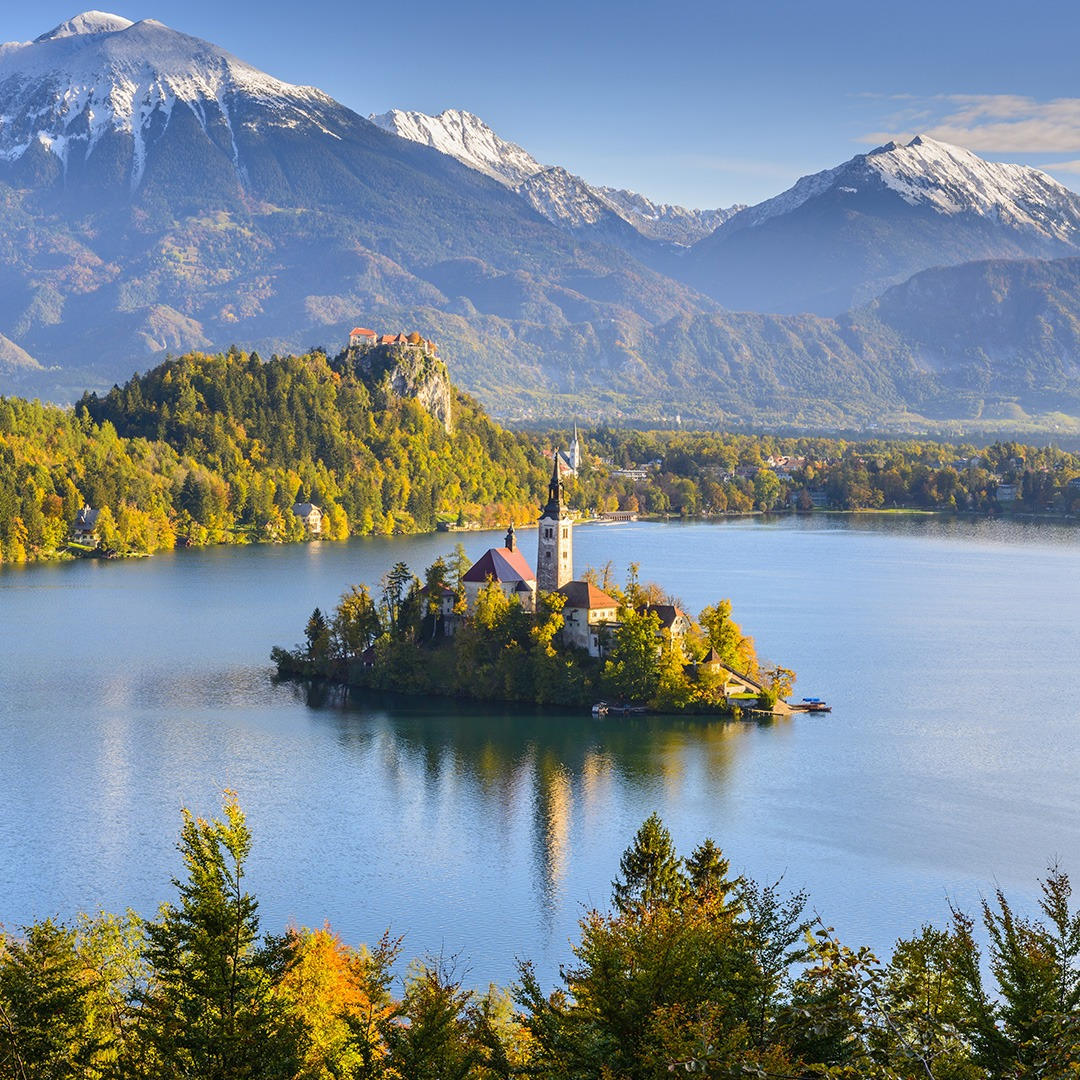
[559, 195]
[97, 73]
[949, 179]
[465, 137]
[89, 22]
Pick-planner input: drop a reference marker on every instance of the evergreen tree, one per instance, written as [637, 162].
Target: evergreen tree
[45, 1007]
[650, 871]
[209, 1011]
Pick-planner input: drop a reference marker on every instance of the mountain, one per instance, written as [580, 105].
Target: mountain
[840, 237]
[160, 194]
[560, 196]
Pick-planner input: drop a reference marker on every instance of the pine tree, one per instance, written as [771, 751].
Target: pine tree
[209, 1011]
[650, 870]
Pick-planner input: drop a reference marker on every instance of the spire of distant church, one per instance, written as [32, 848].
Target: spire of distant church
[511, 538]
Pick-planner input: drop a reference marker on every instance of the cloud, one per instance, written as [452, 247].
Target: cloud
[991, 123]
[1065, 166]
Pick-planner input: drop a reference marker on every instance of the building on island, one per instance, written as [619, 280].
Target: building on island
[672, 618]
[587, 614]
[446, 602]
[507, 567]
[310, 515]
[555, 543]
[84, 527]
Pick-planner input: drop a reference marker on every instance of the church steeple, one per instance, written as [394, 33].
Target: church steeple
[554, 554]
[555, 505]
[511, 538]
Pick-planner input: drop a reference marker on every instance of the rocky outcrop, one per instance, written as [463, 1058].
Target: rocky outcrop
[407, 371]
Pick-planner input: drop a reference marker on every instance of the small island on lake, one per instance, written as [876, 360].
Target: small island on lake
[496, 630]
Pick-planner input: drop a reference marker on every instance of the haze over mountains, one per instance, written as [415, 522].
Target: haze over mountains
[161, 195]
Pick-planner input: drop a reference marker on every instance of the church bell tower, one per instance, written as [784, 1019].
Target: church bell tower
[555, 545]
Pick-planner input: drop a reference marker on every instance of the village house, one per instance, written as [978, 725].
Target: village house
[587, 613]
[310, 515]
[84, 527]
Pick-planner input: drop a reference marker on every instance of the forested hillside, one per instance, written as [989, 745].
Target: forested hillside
[212, 449]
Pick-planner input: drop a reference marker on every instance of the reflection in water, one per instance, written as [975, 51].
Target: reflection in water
[945, 646]
[572, 772]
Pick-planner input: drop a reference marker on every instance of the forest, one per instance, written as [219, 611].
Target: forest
[217, 449]
[497, 650]
[691, 969]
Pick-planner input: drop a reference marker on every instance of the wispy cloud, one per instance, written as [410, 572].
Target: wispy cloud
[990, 123]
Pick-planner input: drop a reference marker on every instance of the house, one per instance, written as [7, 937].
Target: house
[505, 566]
[588, 610]
[732, 682]
[1006, 493]
[360, 335]
[446, 601]
[84, 527]
[672, 618]
[310, 515]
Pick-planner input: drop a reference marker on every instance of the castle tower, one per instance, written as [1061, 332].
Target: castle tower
[555, 545]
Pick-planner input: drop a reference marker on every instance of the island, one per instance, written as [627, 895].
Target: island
[498, 630]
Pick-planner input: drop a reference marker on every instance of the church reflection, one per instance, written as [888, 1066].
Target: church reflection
[562, 773]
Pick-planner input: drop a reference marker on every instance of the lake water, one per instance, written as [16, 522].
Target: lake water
[948, 766]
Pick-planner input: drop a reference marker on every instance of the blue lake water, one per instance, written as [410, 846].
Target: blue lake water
[948, 766]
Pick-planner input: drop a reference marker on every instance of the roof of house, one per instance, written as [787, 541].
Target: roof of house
[303, 509]
[503, 565]
[86, 518]
[667, 613]
[362, 330]
[583, 594]
[442, 590]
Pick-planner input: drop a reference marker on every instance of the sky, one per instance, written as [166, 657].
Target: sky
[697, 103]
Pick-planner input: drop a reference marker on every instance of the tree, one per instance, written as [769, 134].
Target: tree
[317, 633]
[633, 670]
[723, 634]
[45, 1007]
[356, 621]
[209, 1010]
[649, 869]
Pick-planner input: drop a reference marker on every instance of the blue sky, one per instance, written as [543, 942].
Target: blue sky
[704, 104]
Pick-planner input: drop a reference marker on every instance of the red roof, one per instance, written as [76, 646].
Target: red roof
[502, 564]
[583, 594]
[362, 331]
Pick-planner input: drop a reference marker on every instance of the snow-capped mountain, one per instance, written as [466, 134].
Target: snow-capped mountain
[841, 236]
[99, 74]
[950, 180]
[551, 190]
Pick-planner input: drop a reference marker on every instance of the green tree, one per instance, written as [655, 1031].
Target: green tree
[650, 871]
[317, 633]
[209, 1010]
[45, 1006]
[356, 621]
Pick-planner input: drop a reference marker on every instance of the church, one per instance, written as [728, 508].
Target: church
[587, 609]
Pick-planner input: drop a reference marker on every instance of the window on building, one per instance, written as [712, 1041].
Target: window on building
[565, 533]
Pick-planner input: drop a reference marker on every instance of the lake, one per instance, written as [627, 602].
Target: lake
[948, 766]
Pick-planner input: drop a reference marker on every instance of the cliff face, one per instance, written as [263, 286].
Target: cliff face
[407, 371]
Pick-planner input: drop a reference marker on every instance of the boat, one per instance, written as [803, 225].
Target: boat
[600, 708]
